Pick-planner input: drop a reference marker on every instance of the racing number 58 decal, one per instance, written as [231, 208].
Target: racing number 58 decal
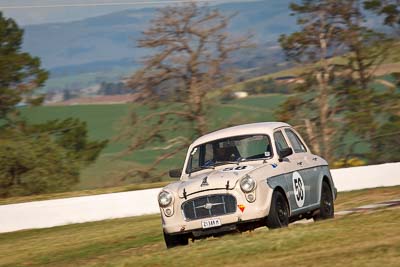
[298, 189]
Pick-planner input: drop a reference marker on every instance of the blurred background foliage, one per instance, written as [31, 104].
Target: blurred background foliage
[34, 158]
[338, 85]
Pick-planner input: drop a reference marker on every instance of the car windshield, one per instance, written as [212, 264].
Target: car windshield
[228, 150]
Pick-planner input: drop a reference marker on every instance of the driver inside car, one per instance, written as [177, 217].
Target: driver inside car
[222, 154]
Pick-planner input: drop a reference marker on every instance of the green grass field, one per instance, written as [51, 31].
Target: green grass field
[367, 239]
[102, 120]
[107, 121]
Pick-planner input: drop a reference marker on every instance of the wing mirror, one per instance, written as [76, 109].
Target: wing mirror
[285, 152]
[175, 173]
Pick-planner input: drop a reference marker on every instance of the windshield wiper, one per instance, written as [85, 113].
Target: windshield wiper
[224, 162]
[219, 163]
[207, 167]
[240, 159]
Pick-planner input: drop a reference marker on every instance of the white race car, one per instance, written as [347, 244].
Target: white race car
[244, 177]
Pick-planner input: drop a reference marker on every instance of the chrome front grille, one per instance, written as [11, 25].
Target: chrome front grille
[209, 206]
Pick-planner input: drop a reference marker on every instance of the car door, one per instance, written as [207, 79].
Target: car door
[305, 177]
[288, 166]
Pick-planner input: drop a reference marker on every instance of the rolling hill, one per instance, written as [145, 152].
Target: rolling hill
[112, 37]
[103, 48]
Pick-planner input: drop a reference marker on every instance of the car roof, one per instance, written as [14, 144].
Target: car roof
[252, 128]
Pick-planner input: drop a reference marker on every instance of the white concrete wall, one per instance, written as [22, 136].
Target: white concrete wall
[48, 213]
[355, 178]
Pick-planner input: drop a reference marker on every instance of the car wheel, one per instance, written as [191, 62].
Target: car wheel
[327, 207]
[278, 216]
[175, 240]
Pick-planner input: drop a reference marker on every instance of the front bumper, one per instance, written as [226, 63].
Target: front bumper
[239, 226]
[255, 211]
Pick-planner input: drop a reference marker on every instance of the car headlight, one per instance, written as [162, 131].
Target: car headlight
[247, 184]
[164, 198]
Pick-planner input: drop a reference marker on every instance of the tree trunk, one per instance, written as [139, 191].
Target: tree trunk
[323, 78]
[313, 139]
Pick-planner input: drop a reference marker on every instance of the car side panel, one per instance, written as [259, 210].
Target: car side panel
[278, 181]
[325, 172]
[312, 197]
[310, 175]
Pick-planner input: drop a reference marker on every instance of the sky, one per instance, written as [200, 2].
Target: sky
[27, 12]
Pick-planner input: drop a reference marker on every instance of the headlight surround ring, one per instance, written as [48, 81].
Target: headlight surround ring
[247, 184]
[165, 198]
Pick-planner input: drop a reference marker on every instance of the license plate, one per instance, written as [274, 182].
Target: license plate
[211, 223]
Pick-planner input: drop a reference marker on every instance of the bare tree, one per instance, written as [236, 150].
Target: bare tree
[315, 46]
[191, 48]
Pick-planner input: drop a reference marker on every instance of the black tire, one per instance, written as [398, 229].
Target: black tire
[278, 216]
[327, 206]
[175, 240]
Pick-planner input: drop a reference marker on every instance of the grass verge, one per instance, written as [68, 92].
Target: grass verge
[368, 239]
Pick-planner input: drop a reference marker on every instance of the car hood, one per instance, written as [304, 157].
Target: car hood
[222, 178]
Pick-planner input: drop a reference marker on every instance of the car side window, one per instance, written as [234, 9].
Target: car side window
[297, 145]
[280, 141]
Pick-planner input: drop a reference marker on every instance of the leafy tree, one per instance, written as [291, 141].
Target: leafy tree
[362, 104]
[44, 158]
[342, 56]
[387, 141]
[34, 158]
[314, 45]
[390, 9]
[20, 73]
[191, 48]
[372, 112]
[32, 165]
[70, 134]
